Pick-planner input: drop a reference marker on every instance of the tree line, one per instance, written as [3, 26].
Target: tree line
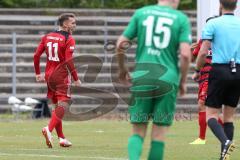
[114, 4]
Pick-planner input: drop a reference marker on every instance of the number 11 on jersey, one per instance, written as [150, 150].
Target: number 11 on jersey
[52, 57]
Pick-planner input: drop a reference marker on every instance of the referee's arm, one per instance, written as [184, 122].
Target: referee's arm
[202, 54]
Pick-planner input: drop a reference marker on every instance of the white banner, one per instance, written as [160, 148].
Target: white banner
[206, 9]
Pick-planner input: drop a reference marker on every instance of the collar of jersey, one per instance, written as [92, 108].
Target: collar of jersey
[229, 14]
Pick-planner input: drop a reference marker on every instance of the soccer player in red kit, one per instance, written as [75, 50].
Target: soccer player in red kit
[202, 93]
[58, 46]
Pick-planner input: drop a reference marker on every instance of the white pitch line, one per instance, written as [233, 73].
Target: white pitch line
[47, 149]
[56, 156]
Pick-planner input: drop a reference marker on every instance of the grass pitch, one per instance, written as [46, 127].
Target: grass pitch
[102, 140]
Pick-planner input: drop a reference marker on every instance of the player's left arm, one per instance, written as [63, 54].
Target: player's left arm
[69, 60]
[185, 40]
[36, 58]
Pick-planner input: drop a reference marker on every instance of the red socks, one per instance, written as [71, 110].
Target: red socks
[220, 122]
[59, 130]
[56, 121]
[202, 124]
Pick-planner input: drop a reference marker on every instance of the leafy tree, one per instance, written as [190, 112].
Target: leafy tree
[115, 4]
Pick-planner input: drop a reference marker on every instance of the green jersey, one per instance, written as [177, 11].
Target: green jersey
[159, 31]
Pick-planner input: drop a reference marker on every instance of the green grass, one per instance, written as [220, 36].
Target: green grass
[101, 140]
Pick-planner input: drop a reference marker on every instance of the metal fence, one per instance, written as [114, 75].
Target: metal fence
[15, 52]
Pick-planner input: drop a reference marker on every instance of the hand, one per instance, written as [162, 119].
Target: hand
[196, 76]
[124, 77]
[182, 89]
[40, 78]
[77, 83]
[194, 45]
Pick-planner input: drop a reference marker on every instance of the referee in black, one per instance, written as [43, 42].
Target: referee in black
[222, 34]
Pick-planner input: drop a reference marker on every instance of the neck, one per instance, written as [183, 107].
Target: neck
[164, 3]
[224, 11]
[62, 29]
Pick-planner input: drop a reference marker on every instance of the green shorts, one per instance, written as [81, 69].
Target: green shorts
[160, 109]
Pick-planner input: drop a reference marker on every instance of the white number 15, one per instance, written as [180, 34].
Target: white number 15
[160, 28]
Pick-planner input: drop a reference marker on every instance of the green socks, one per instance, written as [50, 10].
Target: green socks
[135, 143]
[156, 151]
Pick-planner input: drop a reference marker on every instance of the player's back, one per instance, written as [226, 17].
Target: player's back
[55, 44]
[159, 30]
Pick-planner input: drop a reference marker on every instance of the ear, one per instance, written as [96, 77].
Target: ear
[220, 8]
[65, 24]
[220, 11]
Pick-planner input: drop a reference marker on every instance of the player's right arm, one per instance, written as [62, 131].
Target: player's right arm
[129, 33]
[124, 76]
[39, 51]
[185, 59]
[185, 53]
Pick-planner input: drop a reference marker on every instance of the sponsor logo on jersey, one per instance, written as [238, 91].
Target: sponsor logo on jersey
[54, 38]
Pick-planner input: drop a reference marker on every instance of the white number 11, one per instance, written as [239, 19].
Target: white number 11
[52, 57]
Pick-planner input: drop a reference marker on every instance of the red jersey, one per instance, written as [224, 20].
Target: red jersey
[204, 72]
[59, 47]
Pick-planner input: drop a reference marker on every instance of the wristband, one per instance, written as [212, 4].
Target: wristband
[197, 70]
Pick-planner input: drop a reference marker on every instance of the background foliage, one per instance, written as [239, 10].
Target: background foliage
[131, 4]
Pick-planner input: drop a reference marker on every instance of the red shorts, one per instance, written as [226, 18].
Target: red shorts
[202, 91]
[59, 91]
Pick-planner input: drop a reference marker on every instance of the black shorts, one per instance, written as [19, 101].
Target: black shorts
[223, 87]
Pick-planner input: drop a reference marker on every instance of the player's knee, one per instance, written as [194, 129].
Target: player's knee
[158, 137]
[140, 129]
[228, 117]
[210, 116]
[59, 111]
[212, 113]
[201, 109]
[159, 132]
[201, 106]
[63, 103]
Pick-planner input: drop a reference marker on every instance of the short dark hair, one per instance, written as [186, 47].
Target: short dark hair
[63, 17]
[229, 4]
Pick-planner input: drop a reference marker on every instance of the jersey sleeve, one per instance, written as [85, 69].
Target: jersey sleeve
[39, 51]
[131, 31]
[197, 49]
[185, 31]
[69, 58]
[208, 31]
